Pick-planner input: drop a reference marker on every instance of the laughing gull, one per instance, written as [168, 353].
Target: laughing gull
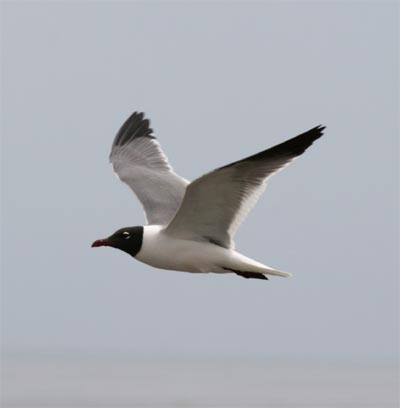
[190, 226]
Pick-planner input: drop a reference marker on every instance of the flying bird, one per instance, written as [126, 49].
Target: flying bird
[191, 226]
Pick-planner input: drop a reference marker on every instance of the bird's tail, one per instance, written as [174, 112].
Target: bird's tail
[266, 270]
[246, 265]
[270, 271]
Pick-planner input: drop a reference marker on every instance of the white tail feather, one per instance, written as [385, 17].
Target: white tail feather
[268, 271]
[244, 264]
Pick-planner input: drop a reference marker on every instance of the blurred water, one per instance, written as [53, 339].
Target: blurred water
[79, 382]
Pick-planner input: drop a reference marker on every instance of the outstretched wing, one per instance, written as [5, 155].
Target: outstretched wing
[216, 204]
[139, 162]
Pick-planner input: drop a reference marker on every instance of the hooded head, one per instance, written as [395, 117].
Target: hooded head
[127, 239]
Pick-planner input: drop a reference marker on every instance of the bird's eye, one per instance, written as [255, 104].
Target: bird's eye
[126, 235]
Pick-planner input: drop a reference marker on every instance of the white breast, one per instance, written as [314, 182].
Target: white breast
[164, 252]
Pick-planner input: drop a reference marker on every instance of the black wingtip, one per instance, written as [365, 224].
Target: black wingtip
[299, 144]
[314, 133]
[318, 130]
[135, 126]
[290, 149]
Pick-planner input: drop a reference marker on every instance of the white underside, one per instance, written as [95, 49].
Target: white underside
[165, 252]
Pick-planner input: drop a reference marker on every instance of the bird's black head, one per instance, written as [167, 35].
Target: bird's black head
[128, 239]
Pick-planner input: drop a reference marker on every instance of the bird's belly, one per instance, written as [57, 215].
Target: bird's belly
[180, 255]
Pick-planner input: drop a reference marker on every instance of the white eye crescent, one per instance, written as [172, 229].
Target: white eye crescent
[127, 235]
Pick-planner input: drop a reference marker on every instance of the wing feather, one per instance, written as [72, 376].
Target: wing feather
[138, 160]
[216, 204]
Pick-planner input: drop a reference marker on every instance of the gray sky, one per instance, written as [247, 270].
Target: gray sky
[219, 81]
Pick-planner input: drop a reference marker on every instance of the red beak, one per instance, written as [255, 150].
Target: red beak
[101, 242]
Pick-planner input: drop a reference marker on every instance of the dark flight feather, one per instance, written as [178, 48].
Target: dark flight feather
[135, 126]
[291, 148]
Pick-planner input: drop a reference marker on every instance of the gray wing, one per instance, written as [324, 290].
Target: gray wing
[216, 204]
[139, 162]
